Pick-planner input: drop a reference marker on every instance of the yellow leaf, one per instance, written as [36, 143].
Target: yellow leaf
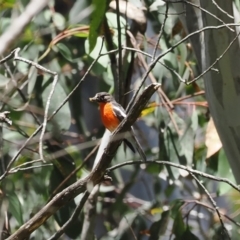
[156, 210]
[212, 141]
[149, 109]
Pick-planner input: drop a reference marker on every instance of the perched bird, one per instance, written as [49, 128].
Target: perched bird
[112, 113]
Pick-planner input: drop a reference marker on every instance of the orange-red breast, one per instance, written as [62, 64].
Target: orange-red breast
[112, 113]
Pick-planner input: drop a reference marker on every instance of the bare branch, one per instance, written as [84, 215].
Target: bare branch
[94, 178]
[186, 168]
[14, 55]
[52, 115]
[161, 32]
[152, 64]
[17, 26]
[4, 117]
[72, 218]
[222, 10]
[212, 201]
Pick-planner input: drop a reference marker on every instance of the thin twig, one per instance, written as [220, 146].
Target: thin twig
[28, 168]
[212, 65]
[94, 178]
[74, 216]
[18, 24]
[211, 208]
[4, 117]
[165, 99]
[45, 120]
[23, 165]
[90, 213]
[161, 32]
[152, 64]
[120, 86]
[209, 13]
[150, 56]
[210, 198]
[186, 168]
[222, 10]
[52, 115]
[55, 79]
[75, 171]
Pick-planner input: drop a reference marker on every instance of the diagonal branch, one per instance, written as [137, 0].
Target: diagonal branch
[17, 26]
[95, 177]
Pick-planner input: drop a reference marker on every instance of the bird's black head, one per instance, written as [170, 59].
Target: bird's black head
[101, 97]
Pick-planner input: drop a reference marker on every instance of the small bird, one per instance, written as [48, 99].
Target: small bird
[112, 113]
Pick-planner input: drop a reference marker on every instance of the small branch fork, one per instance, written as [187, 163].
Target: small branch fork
[4, 117]
[161, 55]
[94, 178]
[10, 56]
[14, 55]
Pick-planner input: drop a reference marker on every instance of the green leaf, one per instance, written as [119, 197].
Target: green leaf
[188, 235]
[159, 227]
[3, 81]
[59, 20]
[32, 76]
[76, 10]
[173, 145]
[126, 222]
[102, 63]
[97, 16]
[176, 205]
[112, 22]
[81, 35]
[63, 167]
[187, 144]
[62, 119]
[178, 225]
[224, 171]
[6, 4]
[15, 207]
[65, 51]
[183, 57]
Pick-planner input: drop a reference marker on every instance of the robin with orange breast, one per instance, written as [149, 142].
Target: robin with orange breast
[112, 113]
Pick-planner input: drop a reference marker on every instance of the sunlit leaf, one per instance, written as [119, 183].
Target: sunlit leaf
[156, 210]
[149, 109]
[102, 63]
[212, 141]
[6, 4]
[224, 171]
[62, 119]
[58, 20]
[65, 51]
[3, 81]
[96, 21]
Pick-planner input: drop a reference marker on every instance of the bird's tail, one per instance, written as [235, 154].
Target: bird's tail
[129, 144]
[138, 146]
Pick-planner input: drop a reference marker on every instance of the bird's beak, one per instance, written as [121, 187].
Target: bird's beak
[93, 99]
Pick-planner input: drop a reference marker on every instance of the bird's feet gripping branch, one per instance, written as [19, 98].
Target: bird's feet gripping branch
[112, 113]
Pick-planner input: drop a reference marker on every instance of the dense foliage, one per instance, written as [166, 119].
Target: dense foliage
[79, 42]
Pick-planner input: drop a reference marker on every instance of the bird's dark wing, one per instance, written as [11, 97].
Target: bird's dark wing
[119, 111]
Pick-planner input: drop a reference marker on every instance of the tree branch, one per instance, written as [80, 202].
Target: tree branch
[95, 177]
[17, 26]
